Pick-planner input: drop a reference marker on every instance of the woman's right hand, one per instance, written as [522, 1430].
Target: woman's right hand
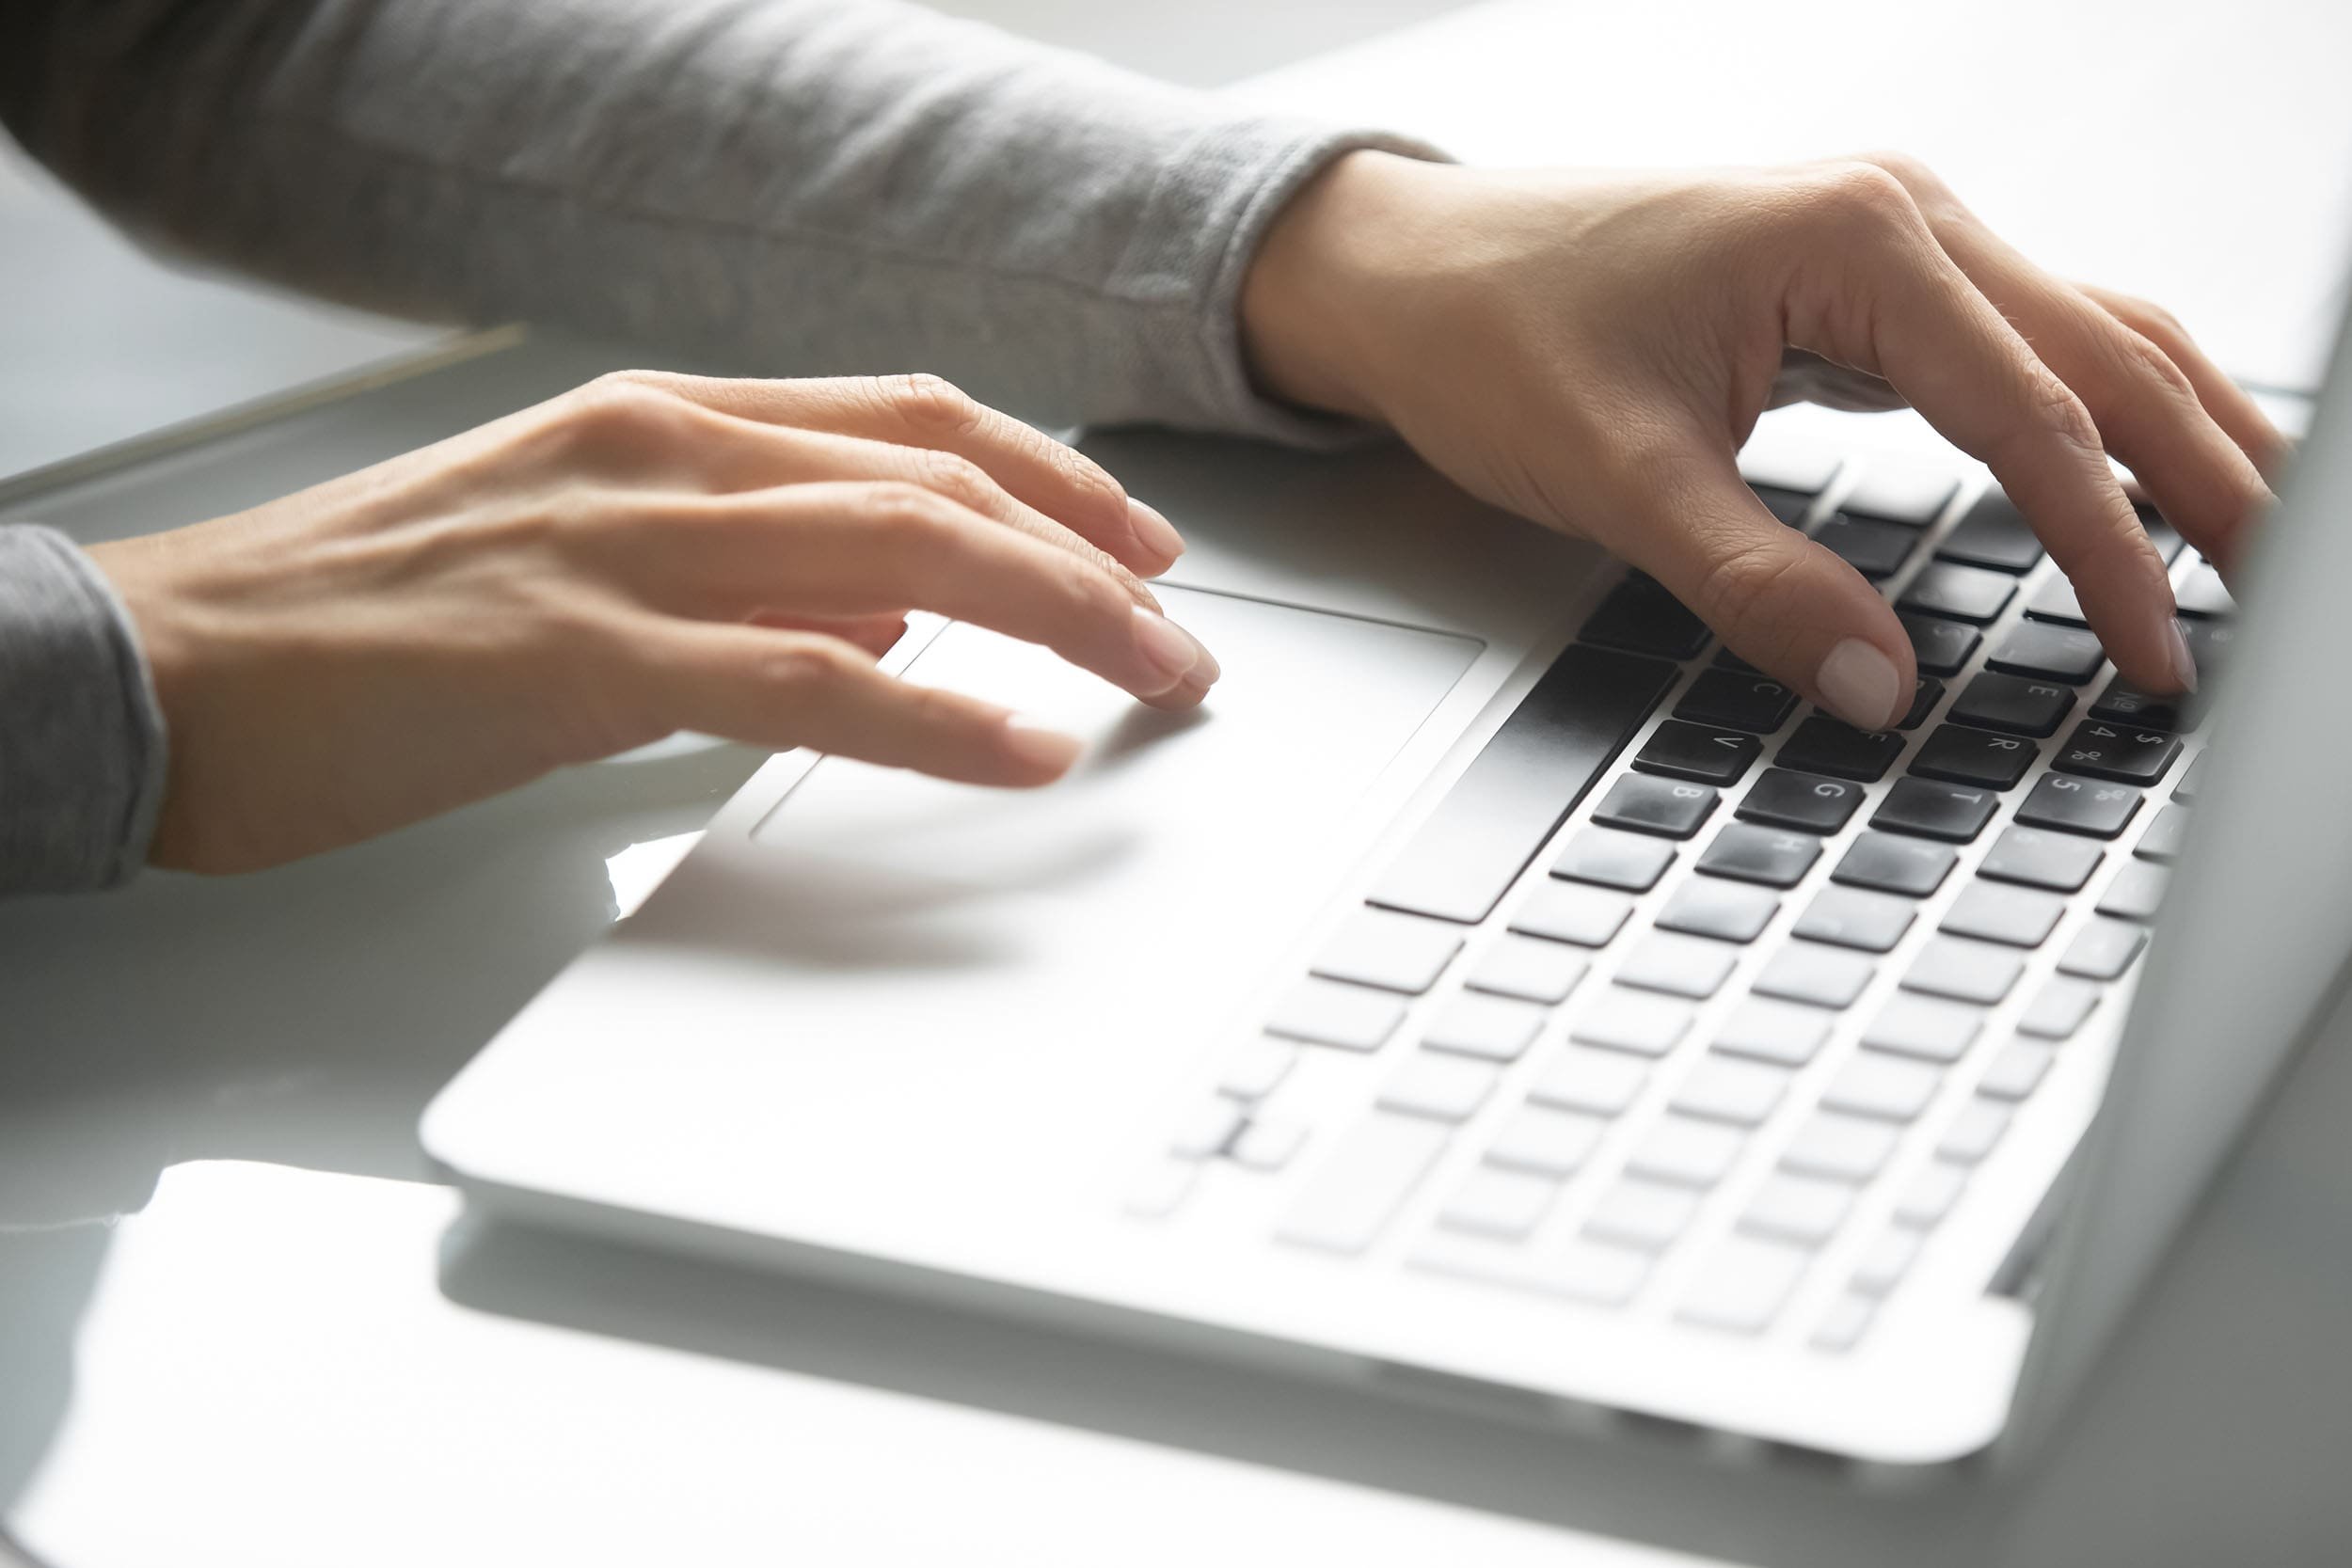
[647, 554]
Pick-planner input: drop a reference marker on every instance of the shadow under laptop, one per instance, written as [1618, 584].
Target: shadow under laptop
[1647, 1482]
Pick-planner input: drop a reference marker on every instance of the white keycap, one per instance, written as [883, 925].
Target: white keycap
[1974, 1131]
[1809, 972]
[1742, 1286]
[1581, 1271]
[1965, 970]
[2059, 1010]
[1257, 1069]
[1554, 1143]
[1570, 911]
[1642, 1214]
[1329, 1013]
[1931, 1196]
[1885, 1262]
[1686, 1153]
[1726, 1089]
[1444, 1089]
[1684, 966]
[1529, 968]
[1902, 492]
[1786, 1032]
[1206, 1129]
[1845, 1149]
[1798, 1209]
[2017, 1071]
[1924, 1026]
[1632, 1021]
[1264, 1145]
[1160, 1190]
[1369, 1175]
[1399, 952]
[1494, 1027]
[1787, 467]
[1889, 1087]
[1599, 1081]
[1842, 1326]
[1496, 1202]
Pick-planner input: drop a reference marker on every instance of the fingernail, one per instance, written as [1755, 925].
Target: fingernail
[1859, 685]
[1168, 648]
[1154, 531]
[2183, 662]
[1040, 747]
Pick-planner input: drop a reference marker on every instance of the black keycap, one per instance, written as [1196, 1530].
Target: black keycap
[1825, 745]
[1726, 660]
[1633, 861]
[2201, 592]
[1765, 855]
[1953, 813]
[1993, 534]
[2208, 642]
[2078, 805]
[1876, 549]
[1970, 756]
[1671, 808]
[2054, 652]
[2010, 703]
[1641, 617]
[1912, 866]
[1939, 646]
[2060, 861]
[1697, 751]
[2122, 703]
[1925, 694]
[2102, 750]
[2162, 535]
[1960, 592]
[2055, 600]
[1786, 504]
[1727, 700]
[1784, 799]
[1531, 773]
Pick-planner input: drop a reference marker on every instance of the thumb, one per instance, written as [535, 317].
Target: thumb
[1782, 602]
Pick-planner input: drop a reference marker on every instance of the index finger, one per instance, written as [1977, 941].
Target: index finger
[919, 410]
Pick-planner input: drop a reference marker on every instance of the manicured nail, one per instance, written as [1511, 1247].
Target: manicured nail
[1168, 648]
[2183, 662]
[1859, 685]
[1040, 747]
[1153, 532]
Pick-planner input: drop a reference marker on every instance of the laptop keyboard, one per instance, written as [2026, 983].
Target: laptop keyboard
[1681, 976]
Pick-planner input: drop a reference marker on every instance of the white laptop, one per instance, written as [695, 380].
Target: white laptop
[1495, 989]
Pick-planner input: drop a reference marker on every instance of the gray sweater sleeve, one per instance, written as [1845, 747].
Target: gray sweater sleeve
[80, 738]
[795, 186]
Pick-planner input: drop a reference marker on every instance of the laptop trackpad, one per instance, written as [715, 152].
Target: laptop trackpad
[942, 952]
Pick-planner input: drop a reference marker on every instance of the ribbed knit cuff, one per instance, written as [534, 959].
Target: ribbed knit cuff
[82, 749]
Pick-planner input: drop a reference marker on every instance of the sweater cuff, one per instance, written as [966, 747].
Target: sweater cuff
[82, 749]
[1200, 231]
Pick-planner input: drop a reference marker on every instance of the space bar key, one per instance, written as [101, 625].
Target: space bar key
[1545, 759]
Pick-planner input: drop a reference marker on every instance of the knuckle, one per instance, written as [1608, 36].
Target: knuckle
[932, 404]
[1088, 483]
[954, 476]
[1909, 171]
[906, 514]
[624, 404]
[796, 670]
[1856, 197]
[2148, 358]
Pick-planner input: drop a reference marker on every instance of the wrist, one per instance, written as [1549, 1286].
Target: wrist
[1312, 297]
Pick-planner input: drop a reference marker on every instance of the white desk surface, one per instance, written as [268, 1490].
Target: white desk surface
[283, 1357]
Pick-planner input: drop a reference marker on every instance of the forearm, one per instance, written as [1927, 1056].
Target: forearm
[81, 738]
[801, 187]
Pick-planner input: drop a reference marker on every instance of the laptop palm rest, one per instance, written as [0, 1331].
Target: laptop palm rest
[901, 1000]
